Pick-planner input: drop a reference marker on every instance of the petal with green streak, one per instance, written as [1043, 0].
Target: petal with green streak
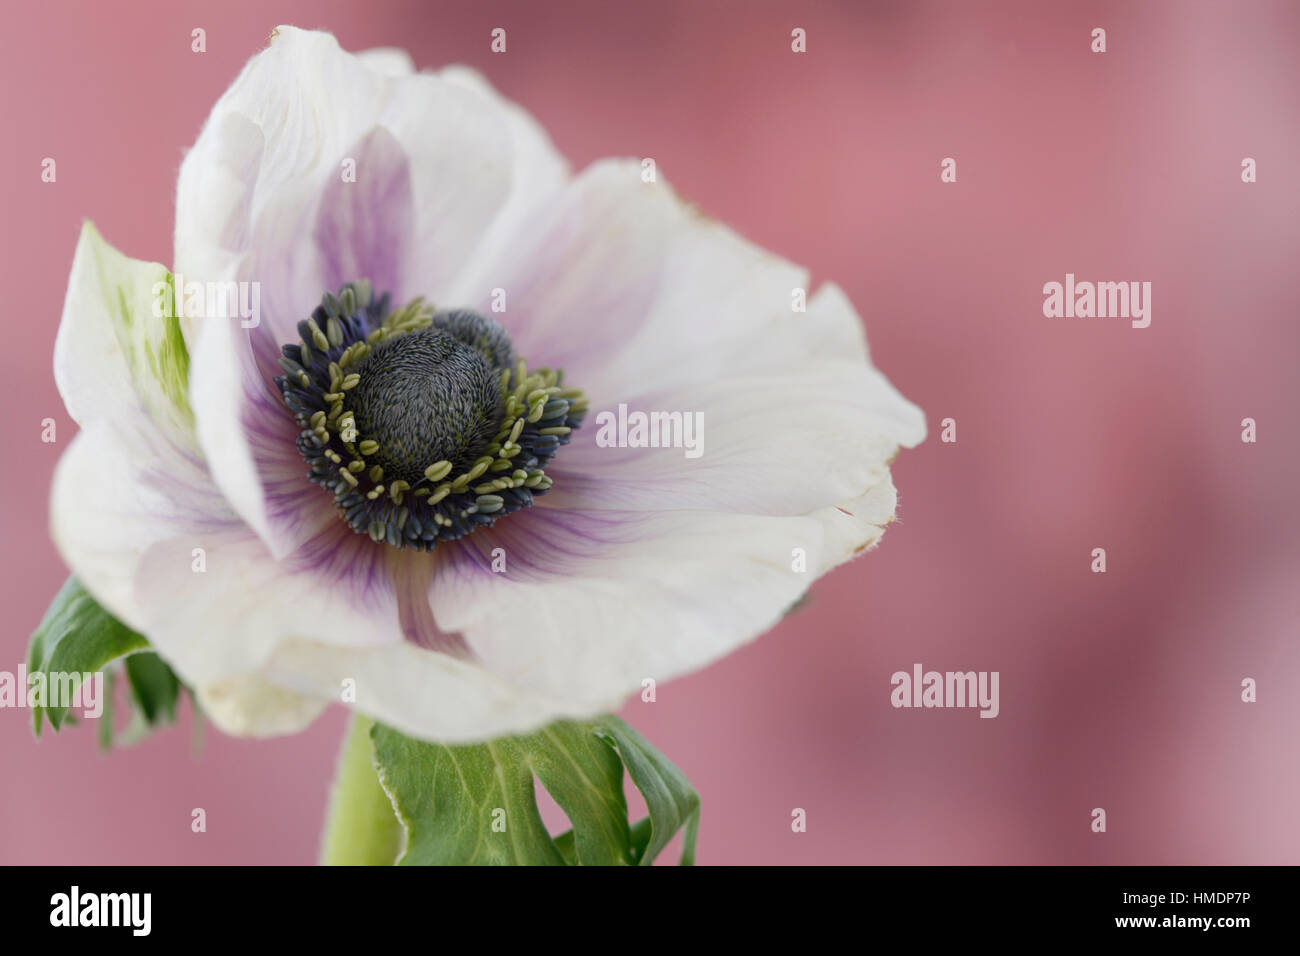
[120, 347]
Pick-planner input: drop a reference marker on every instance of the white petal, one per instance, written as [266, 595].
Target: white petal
[538, 174]
[388, 60]
[444, 169]
[251, 189]
[592, 605]
[249, 439]
[252, 706]
[422, 693]
[119, 489]
[133, 481]
[118, 353]
[265, 643]
[659, 595]
[645, 595]
[629, 289]
[690, 319]
[154, 540]
[821, 432]
[856, 526]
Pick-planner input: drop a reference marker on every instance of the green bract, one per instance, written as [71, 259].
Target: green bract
[77, 636]
[475, 804]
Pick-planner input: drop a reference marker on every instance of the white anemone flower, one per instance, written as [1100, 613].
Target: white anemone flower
[384, 484]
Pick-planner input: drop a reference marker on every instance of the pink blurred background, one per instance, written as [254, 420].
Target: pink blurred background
[1119, 690]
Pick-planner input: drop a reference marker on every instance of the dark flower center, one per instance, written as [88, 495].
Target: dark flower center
[422, 424]
[425, 397]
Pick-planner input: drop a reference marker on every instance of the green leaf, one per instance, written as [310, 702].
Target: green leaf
[108, 716]
[476, 804]
[154, 687]
[669, 796]
[585, 777]
[78, 638]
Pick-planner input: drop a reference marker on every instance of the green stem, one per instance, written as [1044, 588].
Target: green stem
[361, 827]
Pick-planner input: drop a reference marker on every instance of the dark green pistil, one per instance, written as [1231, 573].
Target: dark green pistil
[426, 397]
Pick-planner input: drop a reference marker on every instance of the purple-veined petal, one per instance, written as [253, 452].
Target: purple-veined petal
[621, 597]
[821, 432]
[628, 289]
[317, 168]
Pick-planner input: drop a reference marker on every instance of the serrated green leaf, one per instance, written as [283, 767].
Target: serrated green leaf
[108, 716]
[585, 777]
[639, 832]
[669, 796]
[476, 804]
[463, 805]
[154, 687]
[76, 636]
